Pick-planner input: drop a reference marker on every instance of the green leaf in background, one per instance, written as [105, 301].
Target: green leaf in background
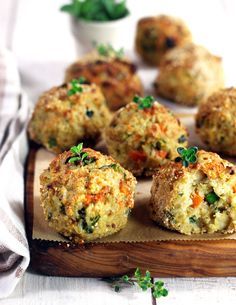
[120, 11]
[74, 8]
[109, 7]
[107, 50]
[96, 10]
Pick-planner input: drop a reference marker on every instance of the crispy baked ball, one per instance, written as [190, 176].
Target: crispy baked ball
[157, 35]
[189, 74]
[216, 121]
[200, 198]
[61, 120]
[116, 77]
[142, 139]
[86, 200]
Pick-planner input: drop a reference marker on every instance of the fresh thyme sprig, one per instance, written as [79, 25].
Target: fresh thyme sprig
[75, 86]
[187, 155]
[143, 282]
[107, 50]
[144, 102]
[80, 157]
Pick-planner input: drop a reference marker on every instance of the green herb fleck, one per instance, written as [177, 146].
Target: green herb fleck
[158, 145]
[182, 139]
[107, 50]
[87, 227]
[82, 213]
[211, 197]
[114, 166]
[52, 142]
[62, 209]
[219, 209]
[169, 216]
[128, 211]
[193, 219]
[89, 113]
[144, 102]
[75, 86]
[143, 282]
[80, 157]
[187, 155]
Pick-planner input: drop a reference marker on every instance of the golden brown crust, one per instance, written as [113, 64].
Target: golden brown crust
[116, 77]
[162, 191]
[85, 202]
[157, 35]
[188, 75]
[174, 187]
[143, 139]
[60, 121]
[216, 121]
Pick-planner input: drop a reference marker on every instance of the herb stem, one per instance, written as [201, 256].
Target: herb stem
[143, 282]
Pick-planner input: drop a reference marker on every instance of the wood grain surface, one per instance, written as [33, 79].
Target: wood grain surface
[167, 258]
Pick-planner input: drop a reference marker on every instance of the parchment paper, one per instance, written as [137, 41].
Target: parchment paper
[140, 228]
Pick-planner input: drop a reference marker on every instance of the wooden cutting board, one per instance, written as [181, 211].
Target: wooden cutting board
[195, 258]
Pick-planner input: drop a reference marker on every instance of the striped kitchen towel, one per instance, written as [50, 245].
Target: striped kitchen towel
[14, 113]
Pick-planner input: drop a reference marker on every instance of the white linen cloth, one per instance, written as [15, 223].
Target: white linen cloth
[14, 110]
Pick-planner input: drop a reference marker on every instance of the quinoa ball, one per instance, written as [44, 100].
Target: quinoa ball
[189, 74]
[157, 35]
[88, 199]
[142, 139]
[60, 120]
[116, 76]
[216, 121]
[200, 198]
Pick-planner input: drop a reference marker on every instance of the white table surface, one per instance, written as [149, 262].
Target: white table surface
[40, 37]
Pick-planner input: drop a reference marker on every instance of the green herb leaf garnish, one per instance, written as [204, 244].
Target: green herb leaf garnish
[187, 155]
[80, 157]
[77, 149]
[143, 282]
[107, 50]
[75, 86]
[144, 102]
[99, 10]
[211, 197]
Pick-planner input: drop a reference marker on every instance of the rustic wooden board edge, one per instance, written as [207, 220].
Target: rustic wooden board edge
[162, 259]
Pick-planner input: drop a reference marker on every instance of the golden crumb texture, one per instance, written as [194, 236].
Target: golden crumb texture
[216, 122]
[157, 35]
[60, 121]
[200, 198]
[86, 202]
[116, 77]
[143, 139]
[189, 74]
